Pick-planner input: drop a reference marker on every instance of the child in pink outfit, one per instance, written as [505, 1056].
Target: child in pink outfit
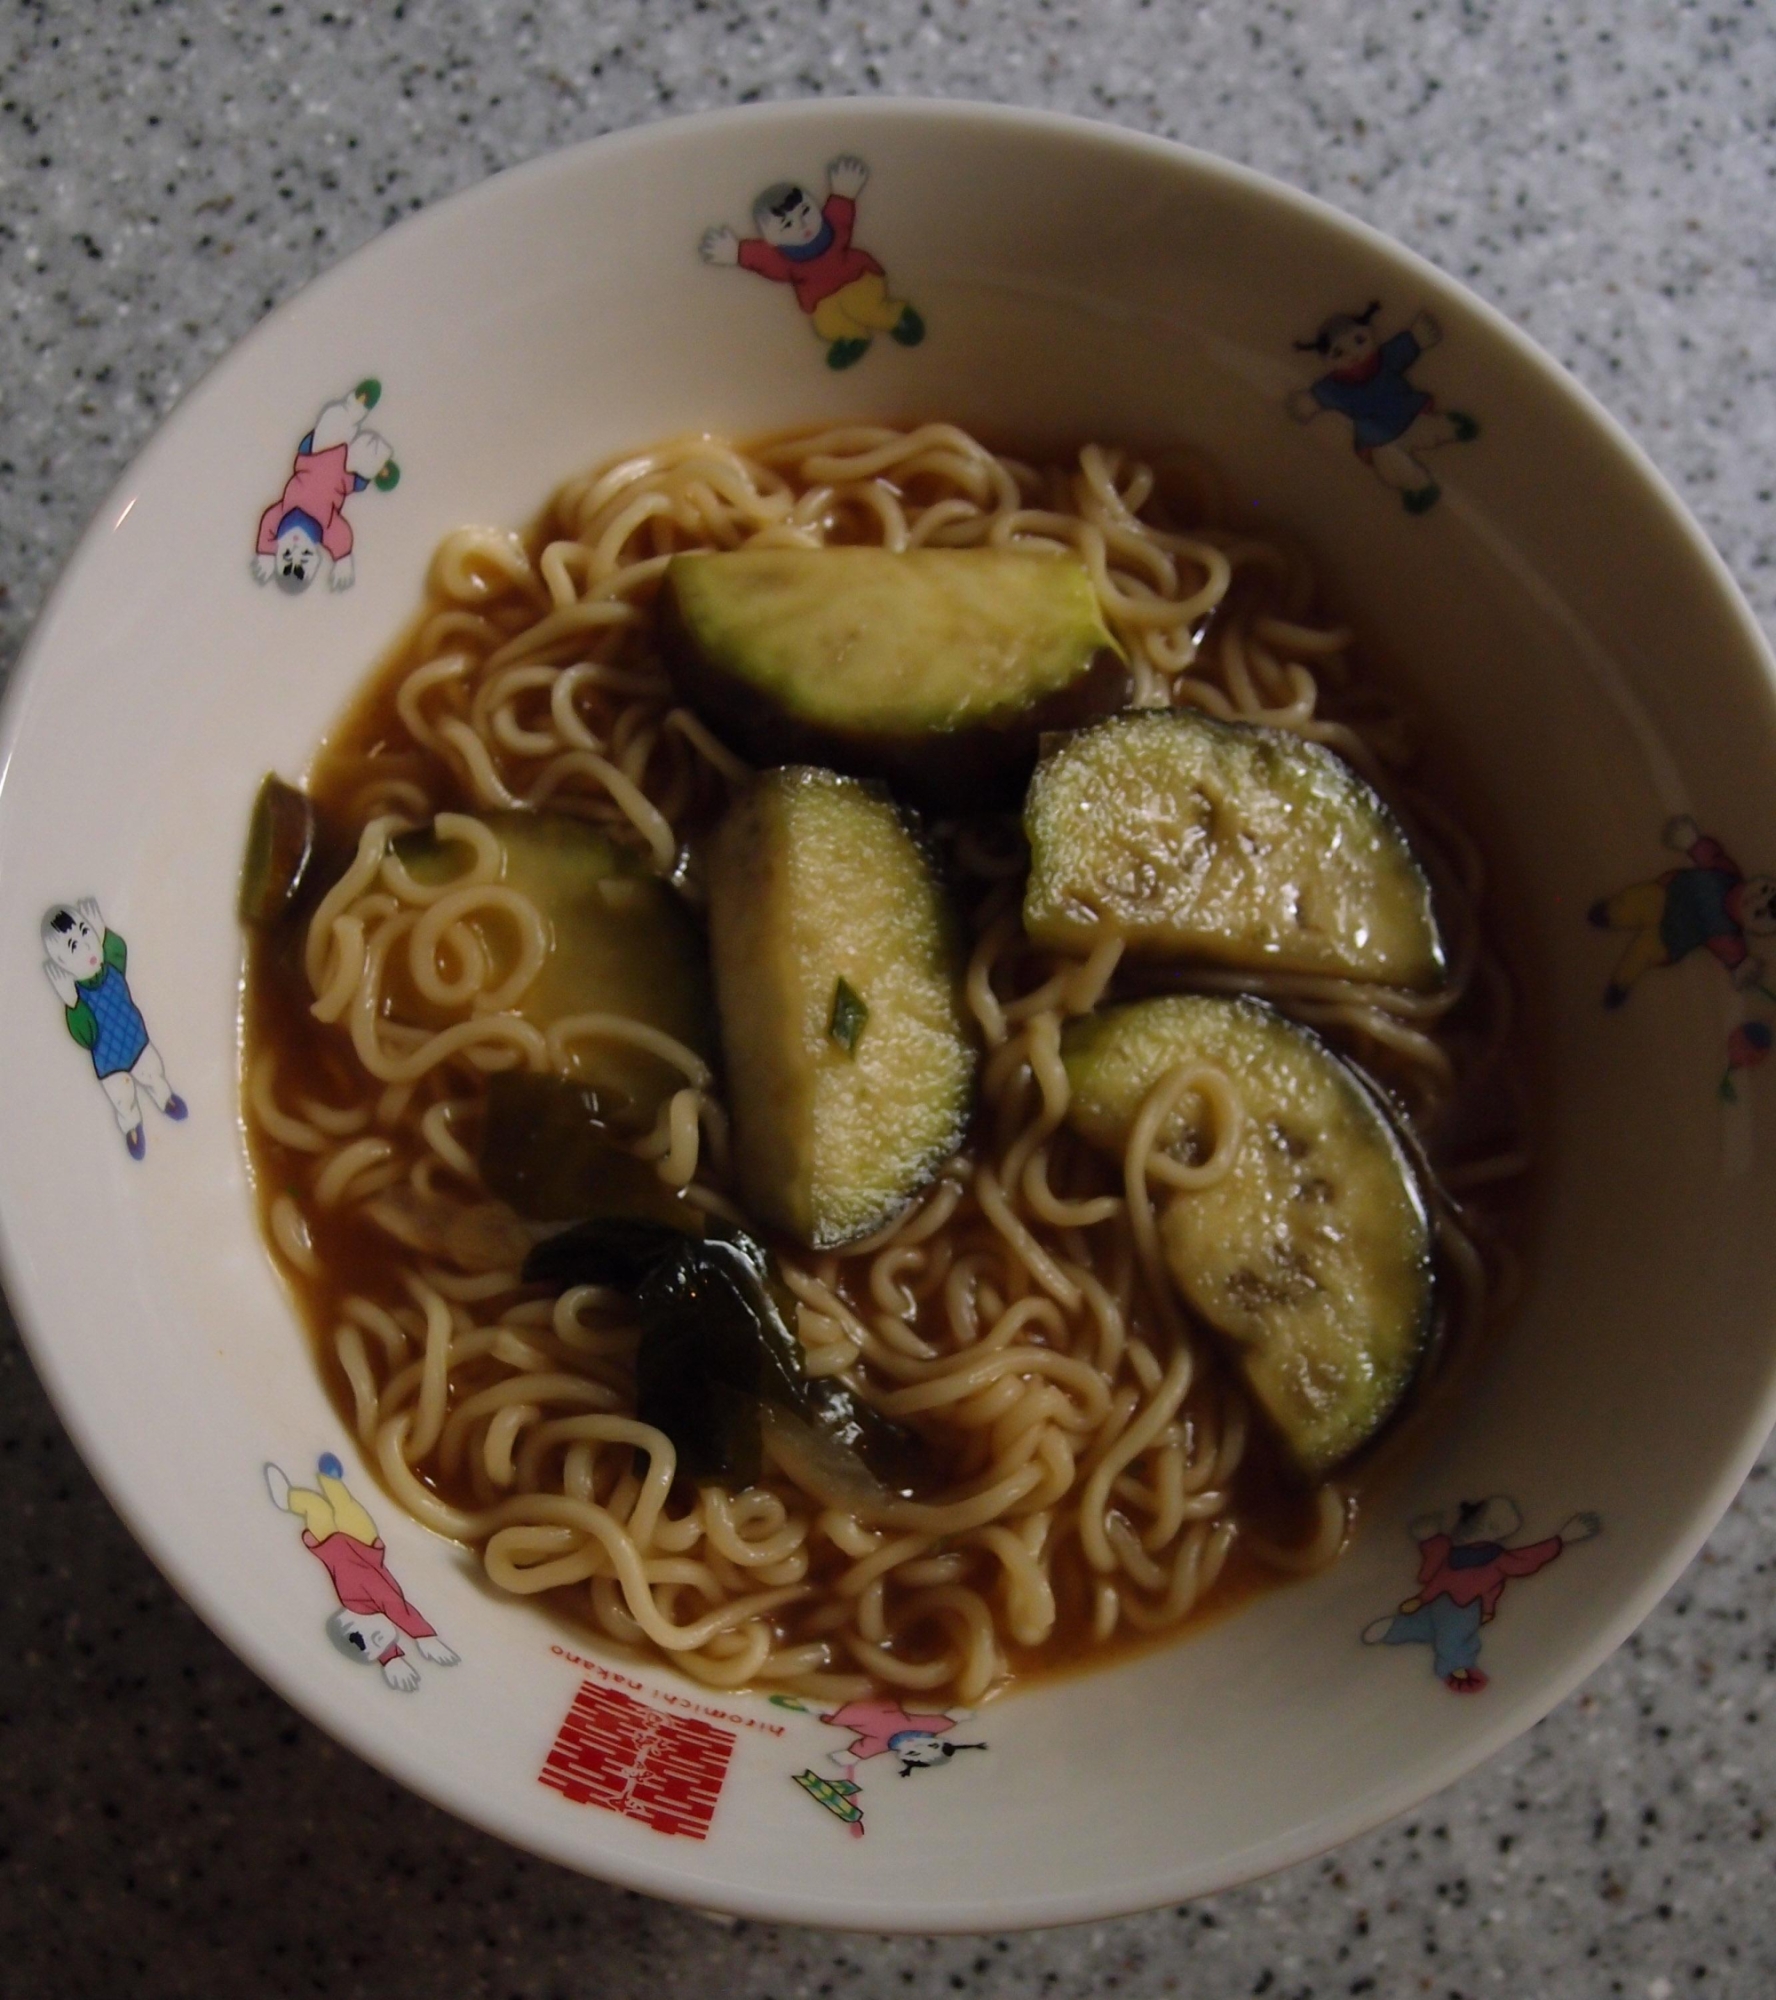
[880, 1726]
[375, 1615]
[339, 457]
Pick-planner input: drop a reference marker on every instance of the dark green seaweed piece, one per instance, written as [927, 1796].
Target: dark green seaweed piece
[546, 1149]
[713, 1346]
[718, 1360]
[895, 1457]
[850, 1013]
[280, 847]
[717, 1350]
[609, 1250]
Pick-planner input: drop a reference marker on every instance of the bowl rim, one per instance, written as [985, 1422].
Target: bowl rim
[680, 1879]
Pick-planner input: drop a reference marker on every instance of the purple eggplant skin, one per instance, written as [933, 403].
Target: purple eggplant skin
[984, 767]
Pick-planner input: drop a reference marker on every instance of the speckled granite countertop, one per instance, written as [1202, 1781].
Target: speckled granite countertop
[1606, 173]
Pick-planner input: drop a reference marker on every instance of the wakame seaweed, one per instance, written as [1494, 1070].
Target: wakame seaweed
[546, 1148]
[617, 1250]
[716, 1345]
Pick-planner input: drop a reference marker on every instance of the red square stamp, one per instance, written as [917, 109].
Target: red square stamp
[665, 1770]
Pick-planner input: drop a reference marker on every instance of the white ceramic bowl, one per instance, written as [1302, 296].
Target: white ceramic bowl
[1556, 614]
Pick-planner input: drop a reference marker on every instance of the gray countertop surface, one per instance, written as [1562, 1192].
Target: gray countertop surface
[1604, 173]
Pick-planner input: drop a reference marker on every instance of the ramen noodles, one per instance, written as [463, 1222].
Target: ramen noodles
[870, 1064]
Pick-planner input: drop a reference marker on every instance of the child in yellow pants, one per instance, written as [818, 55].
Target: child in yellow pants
[859, 309]
[334, 1510]
[374, 1615]
[1709, 904]
[807, 245]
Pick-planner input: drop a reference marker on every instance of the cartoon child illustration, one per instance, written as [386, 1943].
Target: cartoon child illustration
[882, 1727]
[374, 1616]
[842, 289]
[339, 457]
[1392, 419]
[879, 1727]
[86, 964]
[1711, 904]
[1463, 1568]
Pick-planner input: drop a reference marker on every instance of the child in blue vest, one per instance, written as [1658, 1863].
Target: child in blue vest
[85, 963]
[1392, 419]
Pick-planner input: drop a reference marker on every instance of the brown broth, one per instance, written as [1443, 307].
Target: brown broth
[356, 1257]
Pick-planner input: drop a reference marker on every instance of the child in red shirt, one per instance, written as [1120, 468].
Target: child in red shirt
[842, 288]
[1462, 1573]
[375, 1623]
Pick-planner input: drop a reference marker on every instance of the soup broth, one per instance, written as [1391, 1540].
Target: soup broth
[1098, 1472]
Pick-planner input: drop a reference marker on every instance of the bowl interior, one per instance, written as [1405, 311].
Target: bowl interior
[1573, 648]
